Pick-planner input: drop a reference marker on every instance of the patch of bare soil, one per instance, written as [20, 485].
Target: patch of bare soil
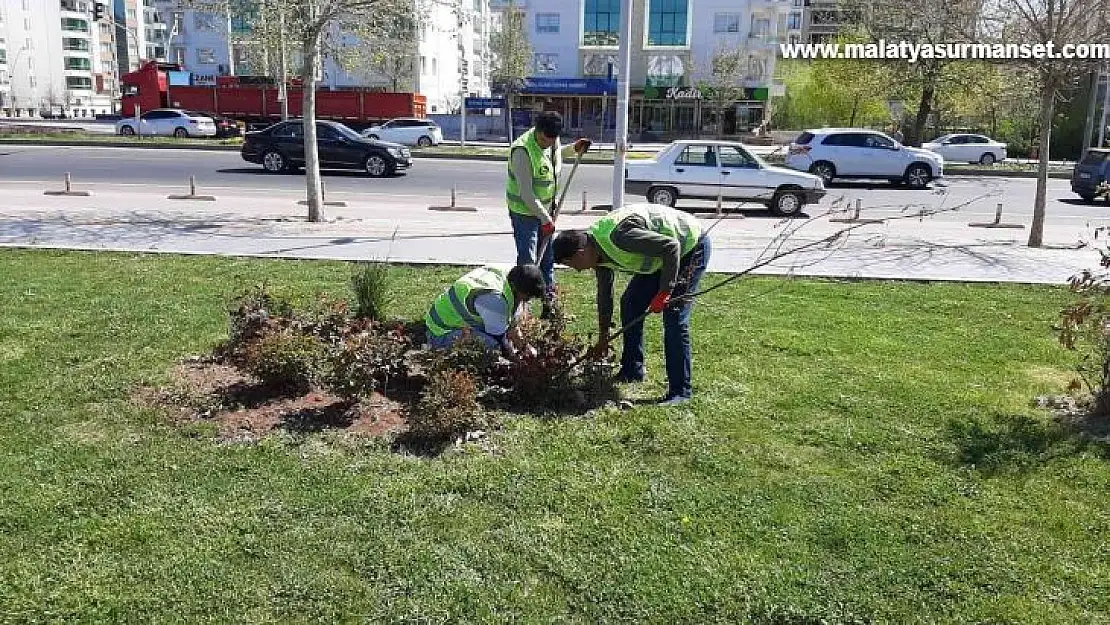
[243, 409]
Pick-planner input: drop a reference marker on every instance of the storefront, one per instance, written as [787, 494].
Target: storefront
[656, 113]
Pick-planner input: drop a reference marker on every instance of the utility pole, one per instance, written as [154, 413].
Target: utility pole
[283, 92]
[1092, 105]
[1105, 106]
[230, 45]
[620, 139]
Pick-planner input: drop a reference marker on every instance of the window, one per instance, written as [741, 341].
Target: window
[73, 24]
[546, 63]
[794, 22]
[131, 15]
[3, 56]
[760, 26]
[206, 56]
[73, 44]
[179, 56]
[726, 22]
[547, 23]
[204, 21]
[667, 22]
[26, 23]
[733, 157]
[697, 156]
[878, 142]
[423, 66]
[177, 22]
[601, 23]
[435, 66]
[78, 82]
[77, 63]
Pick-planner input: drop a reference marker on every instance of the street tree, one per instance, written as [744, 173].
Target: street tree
[1059, 23]
[925, 22]
[318, 30]
[512, 55]
[723, 82]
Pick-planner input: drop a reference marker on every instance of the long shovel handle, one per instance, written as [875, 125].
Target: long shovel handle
[558, 208]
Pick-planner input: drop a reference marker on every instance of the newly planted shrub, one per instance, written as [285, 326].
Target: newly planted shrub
[1085, 328]
[287, 360]
[447, 407]
[544, 376]
[367, 362]
[252, 315]
[371, 283]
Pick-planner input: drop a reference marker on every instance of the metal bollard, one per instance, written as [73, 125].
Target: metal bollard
[454, 204]
[997, 223]
[68, 191]
[193, 193]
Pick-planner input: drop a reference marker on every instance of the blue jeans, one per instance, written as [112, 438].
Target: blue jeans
[526, 232]
[676, 323]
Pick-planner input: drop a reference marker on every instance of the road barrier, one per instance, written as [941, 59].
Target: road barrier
[454, 204]
[193, 193]
[997, 223]
[69, 189]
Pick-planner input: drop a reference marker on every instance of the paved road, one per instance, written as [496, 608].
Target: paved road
[478, 182]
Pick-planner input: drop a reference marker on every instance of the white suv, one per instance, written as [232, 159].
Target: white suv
[861, 153]
[407, 131]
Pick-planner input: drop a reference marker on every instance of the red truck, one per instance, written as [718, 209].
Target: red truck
[257, 104]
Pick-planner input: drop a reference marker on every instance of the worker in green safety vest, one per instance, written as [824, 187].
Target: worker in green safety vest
[534, 164]
[667, 252]
[487, 304]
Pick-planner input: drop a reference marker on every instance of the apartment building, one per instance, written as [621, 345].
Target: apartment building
[56, 59]
[575, 44]
[450, 54]
[823, 20]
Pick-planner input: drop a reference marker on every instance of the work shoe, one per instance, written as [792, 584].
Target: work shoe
[624, 377]
[677, 400]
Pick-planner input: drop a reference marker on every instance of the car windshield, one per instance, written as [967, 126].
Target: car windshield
[346, 131]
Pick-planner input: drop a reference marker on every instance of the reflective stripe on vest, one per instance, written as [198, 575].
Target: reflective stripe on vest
[543, 174]
[666, 221]
[453, 310]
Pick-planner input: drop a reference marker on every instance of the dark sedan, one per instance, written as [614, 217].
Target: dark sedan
[225, 126]
[280, 148]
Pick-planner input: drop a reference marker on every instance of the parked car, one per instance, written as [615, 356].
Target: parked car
[1091, 171]
[407, 131]
[705, 169]
[225, 126]
[280, 148]
[168, 123]
[861, 153]
[967, 148]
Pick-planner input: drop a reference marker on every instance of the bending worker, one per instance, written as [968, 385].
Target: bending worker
[486, 303]
[535, 162]
[667, 252]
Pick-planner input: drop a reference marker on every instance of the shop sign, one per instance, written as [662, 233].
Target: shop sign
[676, 93]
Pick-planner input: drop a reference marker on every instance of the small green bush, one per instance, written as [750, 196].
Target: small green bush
[447, 407]
[287, 360]
[371, 284]
[367, 362]
[252, 315]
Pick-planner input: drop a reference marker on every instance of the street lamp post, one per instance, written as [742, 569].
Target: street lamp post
[11, 80]
[620, 141]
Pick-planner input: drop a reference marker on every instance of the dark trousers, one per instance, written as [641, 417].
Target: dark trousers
[676, 323]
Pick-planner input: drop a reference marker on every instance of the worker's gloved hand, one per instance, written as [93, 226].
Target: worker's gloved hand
[548, 229]
[660, 302]
[582, 145]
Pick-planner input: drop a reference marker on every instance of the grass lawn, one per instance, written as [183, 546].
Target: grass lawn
[857, 452]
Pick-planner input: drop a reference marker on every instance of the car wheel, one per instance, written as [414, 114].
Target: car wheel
[180, 133]
[987, 159]
[376, 166]
[917, 176]
[787, 203]
[663, 195]
[823, 170]
[274, 162]
[127, 131]
[424, 142]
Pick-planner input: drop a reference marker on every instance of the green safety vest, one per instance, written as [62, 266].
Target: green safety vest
[544, 174]
[668, 221]
[454, 308]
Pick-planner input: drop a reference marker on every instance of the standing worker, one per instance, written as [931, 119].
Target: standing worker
[487, 303]
[668, 253]
[535, 162]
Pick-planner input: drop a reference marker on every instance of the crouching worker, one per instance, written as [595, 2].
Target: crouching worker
[486, 303]
[667, 253]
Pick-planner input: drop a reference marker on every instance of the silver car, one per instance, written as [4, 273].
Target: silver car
[168, 123]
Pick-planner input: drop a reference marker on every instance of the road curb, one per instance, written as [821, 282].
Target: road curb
[957, 173]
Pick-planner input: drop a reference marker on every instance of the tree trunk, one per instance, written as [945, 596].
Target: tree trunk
[924, 107]
[311, 151]
[855, 110]
[1048, 105]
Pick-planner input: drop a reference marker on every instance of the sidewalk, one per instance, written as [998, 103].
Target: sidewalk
[401, 230]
